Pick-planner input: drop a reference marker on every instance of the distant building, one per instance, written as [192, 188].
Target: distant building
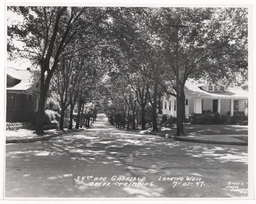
[245, 86]
[22, 95]
[209, 97]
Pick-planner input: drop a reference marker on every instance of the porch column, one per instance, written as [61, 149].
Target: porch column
[198, 105]
[246, 106]
[219, 106]
[232, 107]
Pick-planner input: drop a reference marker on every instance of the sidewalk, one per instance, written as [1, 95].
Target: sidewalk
[25, 136]
[225, 139]
[216, 139]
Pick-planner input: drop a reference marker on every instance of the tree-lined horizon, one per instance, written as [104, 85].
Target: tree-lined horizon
[123, 60]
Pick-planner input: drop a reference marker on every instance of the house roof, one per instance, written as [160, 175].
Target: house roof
[192, 88]
[24, 77]
[22, 74]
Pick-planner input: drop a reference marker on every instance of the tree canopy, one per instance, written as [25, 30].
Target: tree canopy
[136, 54]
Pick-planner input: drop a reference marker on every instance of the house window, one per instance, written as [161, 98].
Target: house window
[175, 105]
[245, 103]
[221, 88]
[186, 102]
[170, 107]
[215, 105]
[165, 105]
[10, 100]
[215, 88]
[236, 107]
[210, 87]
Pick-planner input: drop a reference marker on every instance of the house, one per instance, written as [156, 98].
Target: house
[209, 97]
[22, 95]
[245, 86]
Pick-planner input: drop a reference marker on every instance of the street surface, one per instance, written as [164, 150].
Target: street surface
[106, 162]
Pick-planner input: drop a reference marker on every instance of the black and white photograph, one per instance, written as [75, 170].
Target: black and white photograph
[137, 101]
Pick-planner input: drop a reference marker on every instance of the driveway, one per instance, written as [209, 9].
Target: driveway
[106, 162]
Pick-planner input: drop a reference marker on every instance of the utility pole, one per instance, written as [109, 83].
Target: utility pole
[177, 76]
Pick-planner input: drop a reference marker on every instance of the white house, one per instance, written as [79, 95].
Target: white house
[22, 94]
[209, 97]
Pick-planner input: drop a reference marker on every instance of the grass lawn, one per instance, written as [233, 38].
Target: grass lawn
[190, 129]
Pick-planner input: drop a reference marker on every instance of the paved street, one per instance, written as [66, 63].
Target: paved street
[106, 162]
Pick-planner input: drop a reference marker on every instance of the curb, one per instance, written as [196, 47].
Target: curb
[40, 138]
[210, 141]
[177, 138]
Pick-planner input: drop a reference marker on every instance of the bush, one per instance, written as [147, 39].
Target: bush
[164, 119]
[224, 119]
[167, 120]
[207, 118]
[216, 118]
[239, 120]
[197, 119]
[171, 120]
[52, 104]
[51, 117]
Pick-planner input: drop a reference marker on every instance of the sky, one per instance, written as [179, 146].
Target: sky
[13, 18]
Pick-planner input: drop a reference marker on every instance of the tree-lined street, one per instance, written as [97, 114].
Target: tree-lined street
[125, 67]
[124, 60]
[66, 166]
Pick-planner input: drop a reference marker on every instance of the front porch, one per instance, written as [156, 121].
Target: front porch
[228, 107]
[20, 105]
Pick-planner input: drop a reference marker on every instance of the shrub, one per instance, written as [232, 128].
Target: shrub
[164, 118]
[215, 118]
[239, 120]
[52, 104]
[171, 120]
[167, 120]
[207, 118]
[51, 117]
[224, 119]
[197, 119]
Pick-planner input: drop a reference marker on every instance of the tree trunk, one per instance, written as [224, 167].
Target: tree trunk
[128, 119]
[62, 118]
[78, 114]
[154, 108]
[40, 111]
[133, 120]
[128, 123]
[71, 117]
[182, 109]
[40, 117]
[116, 122]
[159, 101]
[81, 116]
[88, 122]
[143, 122]
[124, 120]
[137, 118]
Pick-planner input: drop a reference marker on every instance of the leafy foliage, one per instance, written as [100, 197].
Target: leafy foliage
[125, 59]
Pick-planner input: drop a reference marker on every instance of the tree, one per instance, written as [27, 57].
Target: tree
[62, 86]
[213, 45]
[45, 34]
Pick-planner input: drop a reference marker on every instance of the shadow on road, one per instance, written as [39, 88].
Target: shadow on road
[50, 168]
